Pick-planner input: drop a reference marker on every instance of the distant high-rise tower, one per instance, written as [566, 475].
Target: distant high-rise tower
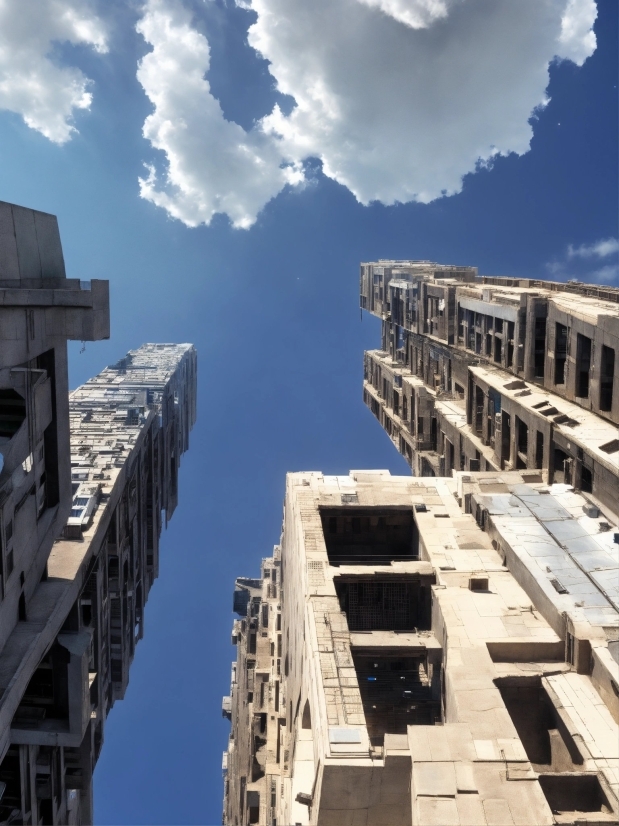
[83, 482]
[484, 373]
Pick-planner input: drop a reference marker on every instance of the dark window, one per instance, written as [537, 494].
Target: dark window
[540, 348]
[522, 443]
[12, 412]
[372, 605]
[383, 535]
[607, 372]
[395, 692]
[498, 350]
[586, 480]
[539, 450]
[583, 365]
[560, 353]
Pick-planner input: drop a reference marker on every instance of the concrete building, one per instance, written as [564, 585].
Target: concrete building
[483, 373]
[83, 481]
[436, 651]
[255, 708]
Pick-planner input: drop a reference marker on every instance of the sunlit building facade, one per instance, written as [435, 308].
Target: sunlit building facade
[484, 373]
[438, 651]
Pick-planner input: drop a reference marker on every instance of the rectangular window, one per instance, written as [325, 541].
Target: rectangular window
[510, 343]
[540, 348]
[583, 365]
[607, 373]
[539, 450]
[560, 353]
[522, 443]
[380, 535]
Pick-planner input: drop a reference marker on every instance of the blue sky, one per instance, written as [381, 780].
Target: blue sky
[273, 309]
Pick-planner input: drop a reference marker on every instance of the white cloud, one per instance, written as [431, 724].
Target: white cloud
[576, 263]
[214, 165]
[399, 99]
[599, 249]
[44, 93]
[577, 38]
[418, 14]
[607, 275]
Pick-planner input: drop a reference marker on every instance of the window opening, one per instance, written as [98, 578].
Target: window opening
[560, 353]
[583, 365]
[395, 693]
[607, 372]
[540, 348]
[386, 605]
[379, 536]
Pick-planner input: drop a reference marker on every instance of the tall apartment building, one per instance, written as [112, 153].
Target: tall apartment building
[254, 706]
[483, 373]
[83, 481]
[428, 651]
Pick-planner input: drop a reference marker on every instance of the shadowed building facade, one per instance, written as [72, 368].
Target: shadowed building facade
[83, 482]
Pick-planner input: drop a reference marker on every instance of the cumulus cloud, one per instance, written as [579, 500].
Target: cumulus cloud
[418, 14]
[214, 165]
[399, 99]
[577, 39]
[599, 249]
[32, 84]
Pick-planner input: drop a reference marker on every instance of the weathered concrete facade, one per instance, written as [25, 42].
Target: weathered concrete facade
[67, 659]
[83, 481]
[448, 656]
[480, 373]
[253, 763]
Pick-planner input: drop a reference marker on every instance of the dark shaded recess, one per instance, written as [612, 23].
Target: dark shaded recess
[372, 605]
[395, 693]
[574, 793]
[47, 361]
[533, 716]
[12, 412]
[369, 536]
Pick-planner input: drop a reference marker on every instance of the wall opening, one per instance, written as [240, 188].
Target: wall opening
[395, 692]
[522, 443]
[607, 374]
[12, 412]
[505, 437]
[574, 793]
[583, 365]
[385, 605]
[369, 536]
[306, 719]
[540, 348]
[539, 449]
[544, 737]
[479, 409]
[47, 361]
[586, 480]
[560, 353]
[562, 467]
